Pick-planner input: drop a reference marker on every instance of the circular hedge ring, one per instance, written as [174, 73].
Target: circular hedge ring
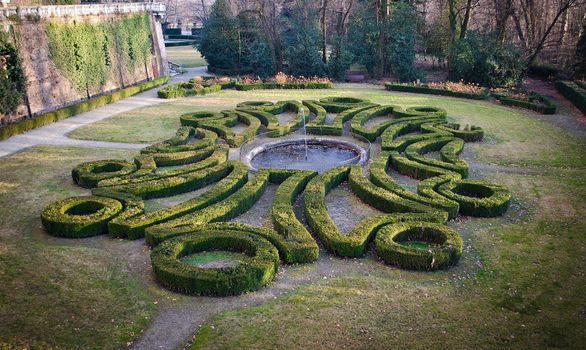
[343, 100]
[79, 217]
[90, 173]
[419, 245]
[477, 197]
[255, 104]
[195, 119]
[255, 270]
[426, 110]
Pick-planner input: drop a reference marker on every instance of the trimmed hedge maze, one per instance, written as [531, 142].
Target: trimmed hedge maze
[410, 234]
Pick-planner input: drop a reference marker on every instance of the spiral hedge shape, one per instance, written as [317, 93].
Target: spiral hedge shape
[442, 246]
[79, 217]
[258, 268]
[197, 157]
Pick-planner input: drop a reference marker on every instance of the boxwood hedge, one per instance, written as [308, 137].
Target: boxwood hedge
[477, 197]
[418, 245]
[257, 268]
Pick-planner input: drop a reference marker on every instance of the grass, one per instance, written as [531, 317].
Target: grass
[209, 258]
[57, 292]
[188, 56]
[513, 136]
[526, 292]
[519, 284]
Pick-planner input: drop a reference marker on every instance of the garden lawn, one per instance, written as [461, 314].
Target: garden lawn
[519, 283]
[188, 56]
[513, 136]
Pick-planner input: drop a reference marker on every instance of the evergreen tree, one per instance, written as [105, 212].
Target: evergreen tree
[340, 59]
[301, 40]
[219, 41]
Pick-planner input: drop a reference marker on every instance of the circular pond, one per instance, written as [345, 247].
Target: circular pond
[319, 154]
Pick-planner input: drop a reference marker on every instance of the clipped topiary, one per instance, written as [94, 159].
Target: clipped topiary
[79, 217]
[257, 267]
[418, 245]
[477, 197]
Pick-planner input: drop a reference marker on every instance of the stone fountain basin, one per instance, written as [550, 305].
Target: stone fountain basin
[358, 156]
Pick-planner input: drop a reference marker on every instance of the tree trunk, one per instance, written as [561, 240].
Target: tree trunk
[324, 8]
[466, 19]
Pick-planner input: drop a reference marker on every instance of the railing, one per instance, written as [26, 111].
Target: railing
[77, 10]
[174, 68]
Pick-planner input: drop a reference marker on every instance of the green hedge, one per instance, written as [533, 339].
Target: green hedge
[430, 91]
[186, 89]
[344, 114]
[544, 104]
[449, 148]
[477, 197]
[234, 205]
[383, 200]
[379, 177]
[573, 92]
[301, 247]
[79, 217]
[256, 269]
[90, 173]
[82, 107]
[134, 227]
[389, 141]
[181, 142]
[419, 245]
[356, 125]
[468, 134]
[264, 86]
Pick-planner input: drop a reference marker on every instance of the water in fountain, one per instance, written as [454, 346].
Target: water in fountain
[304, 132]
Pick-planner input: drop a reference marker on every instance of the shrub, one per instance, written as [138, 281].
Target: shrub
[534, 101]
[440, 246]
[573, 92]
[477, 197]
[186, 89]
[256, 269]
[79, 217]
[89, 174]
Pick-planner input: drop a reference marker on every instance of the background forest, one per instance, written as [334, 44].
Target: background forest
[488, 42]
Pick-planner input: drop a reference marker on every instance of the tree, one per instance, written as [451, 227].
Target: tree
[301, 39]
[219, 41]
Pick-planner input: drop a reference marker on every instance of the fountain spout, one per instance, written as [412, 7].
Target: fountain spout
[304, 132]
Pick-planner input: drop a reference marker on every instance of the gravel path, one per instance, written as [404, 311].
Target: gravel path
[56, 133]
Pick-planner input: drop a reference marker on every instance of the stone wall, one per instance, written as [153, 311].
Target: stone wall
[48, 88]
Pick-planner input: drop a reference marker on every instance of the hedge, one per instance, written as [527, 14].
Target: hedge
[90, 173]
[78, 217]
[468, 134]
[573, 92]
[477, 197]
[234, 205]
[381, 199]
[337, 126]
[134, 227]
[47, 118]
[179, 143]
[406, 126]
[441, 245]
[356, 125]
[264, 86]
[186, 89]
[301, 247]
[379, 177]
[544, 104]
[430, 91]
[449, 148]
[257, 268]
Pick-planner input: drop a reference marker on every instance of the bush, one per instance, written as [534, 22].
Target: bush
[477, 197]
[89, 174]
[481, 59]
[574, 93]
[186, 89]
[422, 89]
[256, 269]
[432, 246]
[79, 217]
[535, 102]
[285, 86]
[82, 107]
